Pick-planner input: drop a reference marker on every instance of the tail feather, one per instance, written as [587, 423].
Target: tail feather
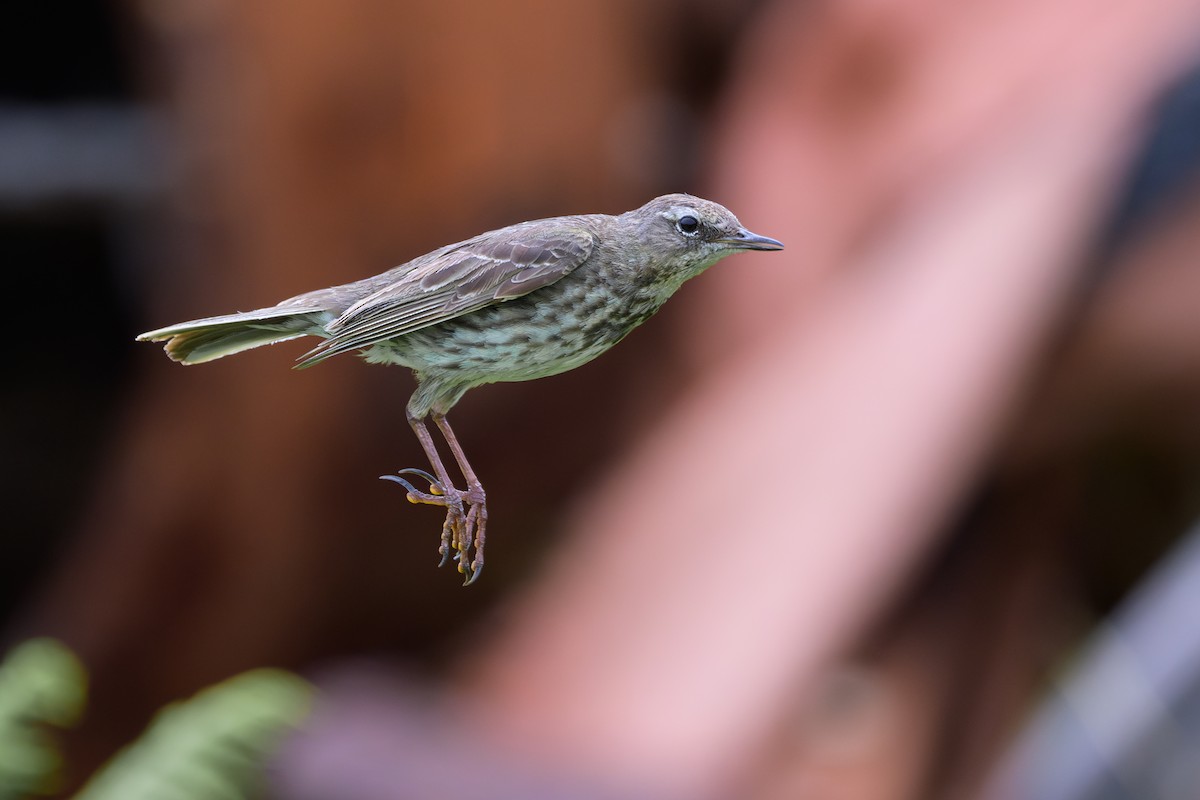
[208, 339]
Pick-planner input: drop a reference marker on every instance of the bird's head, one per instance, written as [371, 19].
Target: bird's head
[693, 233]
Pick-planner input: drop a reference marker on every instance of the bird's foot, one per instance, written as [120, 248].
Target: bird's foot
[463, 532]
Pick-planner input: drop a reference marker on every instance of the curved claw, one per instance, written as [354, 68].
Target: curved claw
[473, 574]
[419, 473]
[435, 486]
[399, 480]
[415, 494]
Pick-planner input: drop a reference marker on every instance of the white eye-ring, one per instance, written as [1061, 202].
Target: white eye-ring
[688, 225]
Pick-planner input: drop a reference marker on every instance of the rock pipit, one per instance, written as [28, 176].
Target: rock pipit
[514, 304]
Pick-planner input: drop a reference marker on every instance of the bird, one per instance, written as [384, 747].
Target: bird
[514, 304]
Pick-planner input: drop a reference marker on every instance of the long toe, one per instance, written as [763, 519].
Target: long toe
[446, 546]
[480, 512]
[434, 497]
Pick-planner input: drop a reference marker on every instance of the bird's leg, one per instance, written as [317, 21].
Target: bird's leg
[475, 496]
[456, 535]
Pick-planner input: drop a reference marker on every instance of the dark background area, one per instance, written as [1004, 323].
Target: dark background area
[67, 254]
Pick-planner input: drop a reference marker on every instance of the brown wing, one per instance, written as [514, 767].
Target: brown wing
[480, 272]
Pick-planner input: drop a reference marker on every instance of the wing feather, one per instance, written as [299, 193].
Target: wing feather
[448, 283]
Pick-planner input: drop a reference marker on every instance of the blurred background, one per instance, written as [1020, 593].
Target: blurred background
[900, 512]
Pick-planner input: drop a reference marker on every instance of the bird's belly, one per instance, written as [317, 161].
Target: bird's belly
[472, 351]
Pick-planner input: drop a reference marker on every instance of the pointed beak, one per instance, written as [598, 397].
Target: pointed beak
[745, 240]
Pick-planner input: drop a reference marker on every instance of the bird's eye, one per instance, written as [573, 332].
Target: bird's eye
[688, 224]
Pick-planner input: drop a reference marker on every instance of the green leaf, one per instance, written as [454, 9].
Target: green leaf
[42, 686]
[211, 746]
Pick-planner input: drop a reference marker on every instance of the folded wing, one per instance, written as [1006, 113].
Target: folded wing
[489, 269]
